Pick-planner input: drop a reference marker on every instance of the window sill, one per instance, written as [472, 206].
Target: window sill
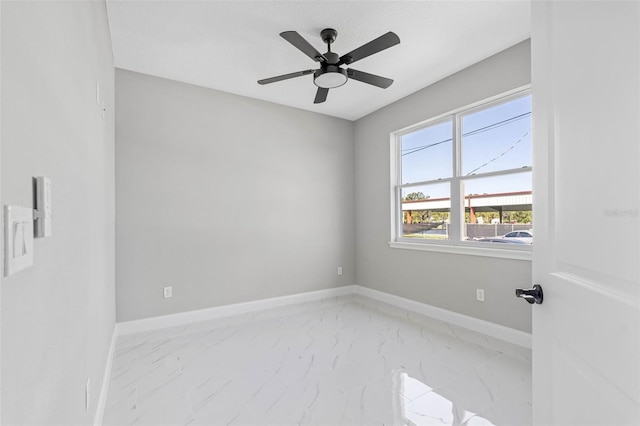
[516, 254]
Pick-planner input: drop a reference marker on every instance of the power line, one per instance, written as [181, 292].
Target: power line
[420, 148]
[498, 124]
[502, 154]
[470, 133]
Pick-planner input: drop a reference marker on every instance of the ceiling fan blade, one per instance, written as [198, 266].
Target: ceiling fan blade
[383, 42]
[303, 45]
[321, 95]
[285, 77]
[373, 79]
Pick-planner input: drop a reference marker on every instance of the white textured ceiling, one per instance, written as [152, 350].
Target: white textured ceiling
[229, 45]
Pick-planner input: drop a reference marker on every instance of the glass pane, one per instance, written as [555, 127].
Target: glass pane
[497, 138]
[498, 209]
[426, 211]
[427, 154]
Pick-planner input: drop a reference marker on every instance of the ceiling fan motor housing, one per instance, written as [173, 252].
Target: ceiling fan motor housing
[330, 75]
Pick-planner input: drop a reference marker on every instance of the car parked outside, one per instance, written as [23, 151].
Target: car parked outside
[524, 236]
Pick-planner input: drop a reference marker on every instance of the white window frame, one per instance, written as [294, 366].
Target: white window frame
[455, 244]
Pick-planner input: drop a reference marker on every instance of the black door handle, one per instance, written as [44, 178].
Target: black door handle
[531, 295]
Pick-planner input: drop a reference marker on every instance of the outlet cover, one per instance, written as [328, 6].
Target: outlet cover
[480, 294]
[339, 270]
[168, 292]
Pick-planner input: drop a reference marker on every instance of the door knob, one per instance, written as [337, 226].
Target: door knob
[531, 295]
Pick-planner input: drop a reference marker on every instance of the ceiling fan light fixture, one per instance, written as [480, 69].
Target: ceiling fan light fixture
[330, 77]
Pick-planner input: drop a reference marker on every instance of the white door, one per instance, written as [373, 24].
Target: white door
[586, 100]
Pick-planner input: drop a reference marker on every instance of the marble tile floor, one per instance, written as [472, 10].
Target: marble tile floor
[342, 361]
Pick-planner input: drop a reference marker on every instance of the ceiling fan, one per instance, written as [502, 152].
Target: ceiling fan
[330, 74]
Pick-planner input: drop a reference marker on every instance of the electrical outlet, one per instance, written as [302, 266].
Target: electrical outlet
[87, 395]
[168, 292]
[339, 270]
[480, 294]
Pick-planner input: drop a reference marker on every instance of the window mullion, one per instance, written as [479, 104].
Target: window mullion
[457, 216]
[397, 210]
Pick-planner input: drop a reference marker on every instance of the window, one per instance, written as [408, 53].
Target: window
[464, 179]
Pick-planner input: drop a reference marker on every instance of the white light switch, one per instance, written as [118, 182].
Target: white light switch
[18, 239]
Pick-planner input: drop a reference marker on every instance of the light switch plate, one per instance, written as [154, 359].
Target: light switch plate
[18, 239]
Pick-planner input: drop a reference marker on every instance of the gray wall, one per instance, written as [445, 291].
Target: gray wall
[225, 198]
[58, 316]
[448, 281]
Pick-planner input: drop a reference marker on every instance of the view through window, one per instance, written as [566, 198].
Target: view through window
[466, 177]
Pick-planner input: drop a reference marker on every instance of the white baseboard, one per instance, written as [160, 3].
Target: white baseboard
[147, 324]
[104, 389]
[502, 332]
[507, 334]
[498, 331]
